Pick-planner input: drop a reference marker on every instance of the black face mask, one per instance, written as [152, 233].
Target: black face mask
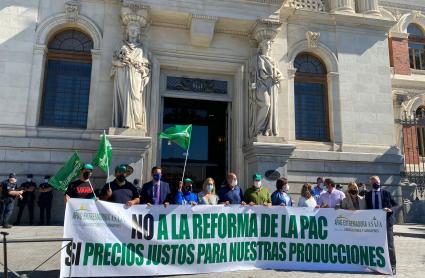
[188, 188]
[86, 175]
[120, 178]
[353, 192]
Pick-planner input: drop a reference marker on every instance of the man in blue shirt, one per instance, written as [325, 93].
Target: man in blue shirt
[231, 193]
[184, 195]
[318, 189]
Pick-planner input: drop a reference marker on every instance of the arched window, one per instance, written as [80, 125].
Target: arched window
[311, 101]
[416, 47]
[67, 80]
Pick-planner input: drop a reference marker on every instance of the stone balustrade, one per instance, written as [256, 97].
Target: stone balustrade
[338, 6]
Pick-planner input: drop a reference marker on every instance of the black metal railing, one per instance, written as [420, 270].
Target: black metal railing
[6, 241]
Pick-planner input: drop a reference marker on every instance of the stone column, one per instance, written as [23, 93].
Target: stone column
[346, 6]
[368, 7]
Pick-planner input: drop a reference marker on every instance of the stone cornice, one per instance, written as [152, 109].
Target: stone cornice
[402, 6]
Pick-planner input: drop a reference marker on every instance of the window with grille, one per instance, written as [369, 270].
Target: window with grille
[311, 102]
[416, 47]
[67, 80]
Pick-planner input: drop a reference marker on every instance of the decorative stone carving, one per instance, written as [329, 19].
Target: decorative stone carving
[131, 72]
[368, 7]
[312, 39]
[202, 30]
[310, 5]
[265, 80]
[346, 6]
[72, 8]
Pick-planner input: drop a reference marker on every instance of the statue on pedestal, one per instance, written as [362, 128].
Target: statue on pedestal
[265, 80]
[131, 73]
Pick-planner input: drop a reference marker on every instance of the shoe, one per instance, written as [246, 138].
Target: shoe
[394, 270]
[7, 226]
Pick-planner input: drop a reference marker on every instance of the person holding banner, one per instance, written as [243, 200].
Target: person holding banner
[307, 200]
[281, 196]
[208, 196]
[120, 190]
[318, 189]
[257, 194]
[353, 201]
[231, 192]
[379, 198]
[331, 198]
[81, 188]
[156, 192]
[184, 193]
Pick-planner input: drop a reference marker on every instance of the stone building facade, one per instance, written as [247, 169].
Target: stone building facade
[343, 74]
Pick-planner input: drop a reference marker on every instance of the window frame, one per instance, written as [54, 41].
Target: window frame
[302, 77]
[62, 55]
[412, 51]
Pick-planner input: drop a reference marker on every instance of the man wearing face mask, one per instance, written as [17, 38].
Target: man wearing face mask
[379, 198]
[231, 192]
[184, 195]
[156, 192]
[318, 189]
[257, 194]
[45, 198]
[81, 188]
[28, 199]
[7, 202]
[120, 190]
[281, 196]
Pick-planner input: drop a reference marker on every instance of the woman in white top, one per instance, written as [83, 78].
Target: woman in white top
[306, 199]
[208, 196]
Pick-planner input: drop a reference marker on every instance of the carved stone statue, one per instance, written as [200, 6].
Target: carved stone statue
[265, 80]
[131, 71]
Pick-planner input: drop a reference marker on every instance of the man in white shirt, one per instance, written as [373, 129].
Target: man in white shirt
[331, 198]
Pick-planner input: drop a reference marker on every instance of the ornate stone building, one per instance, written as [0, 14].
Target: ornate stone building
[290, 88]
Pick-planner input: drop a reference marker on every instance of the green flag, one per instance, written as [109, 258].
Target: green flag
[179, 134]
[69, 172]
[104, 154]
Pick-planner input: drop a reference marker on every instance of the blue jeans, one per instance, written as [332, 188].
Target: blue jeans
[6, 209]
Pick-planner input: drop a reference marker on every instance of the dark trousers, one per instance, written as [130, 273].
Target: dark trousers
[45, 208]
[391, 247]
[6, 209]
[22, 206]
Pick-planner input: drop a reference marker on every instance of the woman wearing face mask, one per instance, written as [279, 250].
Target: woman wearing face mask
[353, 201]
[257, 194]
[281, 196]
[208, 196]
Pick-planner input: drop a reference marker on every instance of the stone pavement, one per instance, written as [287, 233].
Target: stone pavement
[410, 247]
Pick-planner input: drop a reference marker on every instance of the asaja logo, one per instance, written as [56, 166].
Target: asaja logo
[363, 225]
[85, 217]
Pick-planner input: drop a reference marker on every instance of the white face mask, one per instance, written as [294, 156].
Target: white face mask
[46, 180]
[29, 180]
[210, 188]
[286, 188]
[257, 184]
[321, 185]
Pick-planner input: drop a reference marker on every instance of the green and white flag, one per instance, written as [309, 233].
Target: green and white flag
[69, 172]
[179, 134]
[104, 154]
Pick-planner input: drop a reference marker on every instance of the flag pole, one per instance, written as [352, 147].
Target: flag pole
[92, 189]
[185, 161]
[107, 163]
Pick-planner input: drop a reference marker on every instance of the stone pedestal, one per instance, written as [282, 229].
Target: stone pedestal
[345, 6]
[129, 146]
[267, 156]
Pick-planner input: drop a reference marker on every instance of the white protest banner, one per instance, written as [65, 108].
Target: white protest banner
[112, 240]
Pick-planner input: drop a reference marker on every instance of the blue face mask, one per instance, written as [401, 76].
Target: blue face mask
[157, 177]
[210, 188]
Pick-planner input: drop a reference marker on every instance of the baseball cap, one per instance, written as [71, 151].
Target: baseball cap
[257, 177]
[88, 166]
[188, 180]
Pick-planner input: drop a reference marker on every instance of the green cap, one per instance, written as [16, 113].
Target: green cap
[257, 177]
[121, 169]
[188, 180]
[88, 166]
